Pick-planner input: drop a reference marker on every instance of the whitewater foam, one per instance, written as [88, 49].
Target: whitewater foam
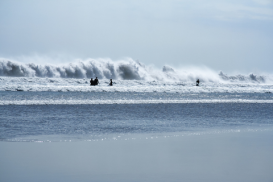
[82, 85]
[126, 69]
[128, 76]
[84, 102]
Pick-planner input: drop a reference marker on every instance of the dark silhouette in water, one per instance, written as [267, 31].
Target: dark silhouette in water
[96, 81]
[91, 81]
[111, 83]
[197, 82]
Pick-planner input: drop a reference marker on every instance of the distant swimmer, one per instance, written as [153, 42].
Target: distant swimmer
[96, 81]
[197, 82]
[111, 83]
[91, 81]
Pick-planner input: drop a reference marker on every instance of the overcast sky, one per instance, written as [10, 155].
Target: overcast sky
[220, 34]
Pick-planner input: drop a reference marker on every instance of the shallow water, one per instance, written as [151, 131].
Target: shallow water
[92, 121]
[232, 156]
[72, 98]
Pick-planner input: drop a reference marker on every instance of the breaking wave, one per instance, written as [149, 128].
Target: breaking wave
[127, 69]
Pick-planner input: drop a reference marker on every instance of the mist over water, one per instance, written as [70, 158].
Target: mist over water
[127, 69]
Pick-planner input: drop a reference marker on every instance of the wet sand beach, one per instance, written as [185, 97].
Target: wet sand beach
[233, 156]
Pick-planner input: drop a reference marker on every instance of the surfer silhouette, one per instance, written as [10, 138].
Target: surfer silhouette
[111, 83]
[197, 82]
[96, 81]
[91, 81]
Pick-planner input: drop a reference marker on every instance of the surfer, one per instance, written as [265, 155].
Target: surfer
[197, 82]
[111, 83]
[91, 81]
[96, 81]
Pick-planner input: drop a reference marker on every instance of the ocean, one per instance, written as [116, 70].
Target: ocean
[151, 125]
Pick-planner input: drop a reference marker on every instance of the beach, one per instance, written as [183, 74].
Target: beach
[231, 156]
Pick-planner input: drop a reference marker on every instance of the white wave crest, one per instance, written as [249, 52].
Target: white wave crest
[127, 69]
[82, 102]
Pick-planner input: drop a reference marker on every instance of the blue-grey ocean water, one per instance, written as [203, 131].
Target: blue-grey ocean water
[81, 121]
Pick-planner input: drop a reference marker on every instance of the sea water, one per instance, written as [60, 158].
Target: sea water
[31, 116]
[54, 126]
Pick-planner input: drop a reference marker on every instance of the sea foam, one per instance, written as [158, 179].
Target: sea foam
[128, 76]
[127, 69]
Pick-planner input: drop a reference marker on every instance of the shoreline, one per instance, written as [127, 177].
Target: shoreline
[236, 156]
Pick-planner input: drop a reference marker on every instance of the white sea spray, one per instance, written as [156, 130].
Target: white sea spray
[128, 76]
[127, 69]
